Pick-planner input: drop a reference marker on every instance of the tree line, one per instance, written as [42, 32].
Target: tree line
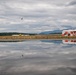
[14, 33]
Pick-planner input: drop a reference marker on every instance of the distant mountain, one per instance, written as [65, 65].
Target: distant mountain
[52, 32]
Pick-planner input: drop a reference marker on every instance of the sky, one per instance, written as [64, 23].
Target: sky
[38, 15]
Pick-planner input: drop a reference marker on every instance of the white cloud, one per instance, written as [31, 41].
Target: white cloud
[36, 14]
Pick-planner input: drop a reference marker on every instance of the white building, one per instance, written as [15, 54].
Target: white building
[15, 35]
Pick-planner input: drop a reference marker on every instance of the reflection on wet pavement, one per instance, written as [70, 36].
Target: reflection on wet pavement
[37, 57]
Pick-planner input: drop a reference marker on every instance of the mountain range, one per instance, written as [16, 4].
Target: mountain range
[52, 32]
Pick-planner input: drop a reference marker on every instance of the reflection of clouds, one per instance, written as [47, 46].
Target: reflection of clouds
[16, 54]
[25, 68]
[37, 48]
[39, 66]
[38, 58]
[1, 45]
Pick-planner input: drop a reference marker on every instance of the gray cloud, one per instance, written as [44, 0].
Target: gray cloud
[37, 14]
[72, 2]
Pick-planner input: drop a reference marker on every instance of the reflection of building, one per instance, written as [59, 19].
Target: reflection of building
[69, 33]
[69, 41]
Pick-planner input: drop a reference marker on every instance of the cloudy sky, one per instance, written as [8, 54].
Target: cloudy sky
[38, 15]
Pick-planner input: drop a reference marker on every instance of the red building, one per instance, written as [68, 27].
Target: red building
[69, 33]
